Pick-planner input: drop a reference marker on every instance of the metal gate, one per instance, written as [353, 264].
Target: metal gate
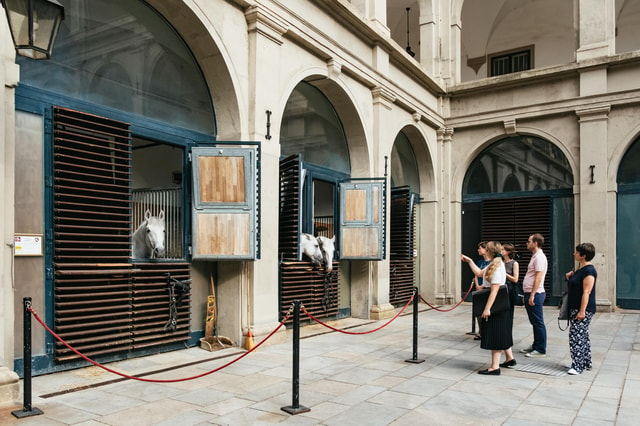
[168, 200]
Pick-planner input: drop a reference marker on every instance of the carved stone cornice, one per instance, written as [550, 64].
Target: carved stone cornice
[260, 21]
[594, 113]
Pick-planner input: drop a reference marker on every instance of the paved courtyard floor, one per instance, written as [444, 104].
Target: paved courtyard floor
[361, 380]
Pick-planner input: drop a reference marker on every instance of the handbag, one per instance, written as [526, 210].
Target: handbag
[480, 298]
[563, 310]
[519, 294]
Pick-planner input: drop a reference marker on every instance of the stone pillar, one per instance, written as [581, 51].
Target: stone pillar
[447, 289]
[595, 206]
[259, 295]
[9, 77]
[429, 38]
[596, 29]
[382, 142]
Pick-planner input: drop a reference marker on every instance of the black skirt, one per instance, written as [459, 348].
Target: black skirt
[496, 333]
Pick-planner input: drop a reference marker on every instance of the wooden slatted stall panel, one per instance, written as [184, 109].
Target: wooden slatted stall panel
[513, 220]
[103, 305]
[317, 290]
[289, 207]
[299, 279]
[401, 246]
[92, 309]
[92, 177]
[151, 305]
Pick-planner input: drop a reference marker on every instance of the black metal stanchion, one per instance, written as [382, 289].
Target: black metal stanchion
[473, 319]
[27, 409]
[416, 301]
[295, 407]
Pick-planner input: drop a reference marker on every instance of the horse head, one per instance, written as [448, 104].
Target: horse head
[327, 246]
[148, 240]
[310, 247]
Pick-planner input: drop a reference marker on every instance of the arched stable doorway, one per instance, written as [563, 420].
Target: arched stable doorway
[628, 230]
[104, 126]
[540, 199]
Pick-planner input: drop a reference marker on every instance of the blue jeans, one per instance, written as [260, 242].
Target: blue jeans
[536, 318]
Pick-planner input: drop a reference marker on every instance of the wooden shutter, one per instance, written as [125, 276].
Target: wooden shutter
[362, 219]
[224, 202]
[401, 245]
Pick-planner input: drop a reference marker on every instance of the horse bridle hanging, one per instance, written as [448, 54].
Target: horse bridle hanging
[181, 288]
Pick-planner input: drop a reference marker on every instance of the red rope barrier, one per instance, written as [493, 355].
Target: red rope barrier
[35, 315]
[450, 309]
[357, 332]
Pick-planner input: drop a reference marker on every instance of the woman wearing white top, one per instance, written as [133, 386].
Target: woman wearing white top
[496, 328]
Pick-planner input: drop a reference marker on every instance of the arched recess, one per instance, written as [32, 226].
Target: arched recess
[320, 133]
[102, 82]
[628, 229]
[403, 230]
[542, 203]
[214, 60]
[351, 120]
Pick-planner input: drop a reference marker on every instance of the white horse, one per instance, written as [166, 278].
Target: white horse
[327, 246]
[148, 240]
[320, 250]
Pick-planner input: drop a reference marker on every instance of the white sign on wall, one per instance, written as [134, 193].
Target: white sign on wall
[27, 245]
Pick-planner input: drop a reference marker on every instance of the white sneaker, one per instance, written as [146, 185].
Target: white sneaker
[572, 372]
[535, 354]
[526, 350]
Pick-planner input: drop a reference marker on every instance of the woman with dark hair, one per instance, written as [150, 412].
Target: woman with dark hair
[582, 307]
[495, 330]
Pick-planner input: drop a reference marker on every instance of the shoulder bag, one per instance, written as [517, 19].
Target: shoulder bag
[480, 298]
[563, 310]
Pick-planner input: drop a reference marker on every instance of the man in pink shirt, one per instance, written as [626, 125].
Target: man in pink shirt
[534, 295]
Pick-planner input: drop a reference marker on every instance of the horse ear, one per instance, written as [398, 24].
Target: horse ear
[147, 214]
[333, 239]
[161, 215]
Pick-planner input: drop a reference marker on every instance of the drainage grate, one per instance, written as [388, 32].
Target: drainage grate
[540, 368]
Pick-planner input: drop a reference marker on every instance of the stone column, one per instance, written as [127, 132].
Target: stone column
[259, 295]
[9, 76]
[447, 289]
[596, 29]
[382, 142]
[595, 206]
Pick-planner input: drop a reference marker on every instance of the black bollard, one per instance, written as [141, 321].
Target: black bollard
[295, 407]
[27, 410]
[416, 301]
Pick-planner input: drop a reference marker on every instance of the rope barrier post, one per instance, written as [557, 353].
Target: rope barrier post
[416, 301]
[295, 407]
[27, 409]
[473, 319]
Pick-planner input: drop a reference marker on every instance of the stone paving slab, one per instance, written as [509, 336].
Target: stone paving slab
[362, 379]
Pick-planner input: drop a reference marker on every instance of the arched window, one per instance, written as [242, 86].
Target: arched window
[535, 162]
[311, 127]
[123, 55]
[511, 184]
[404, 167]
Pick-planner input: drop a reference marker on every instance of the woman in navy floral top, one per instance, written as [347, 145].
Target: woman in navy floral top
[582, 307]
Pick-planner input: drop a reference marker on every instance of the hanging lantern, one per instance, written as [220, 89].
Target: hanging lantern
[34, 25]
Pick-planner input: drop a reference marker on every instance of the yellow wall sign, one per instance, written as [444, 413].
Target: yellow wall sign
[27, 245]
